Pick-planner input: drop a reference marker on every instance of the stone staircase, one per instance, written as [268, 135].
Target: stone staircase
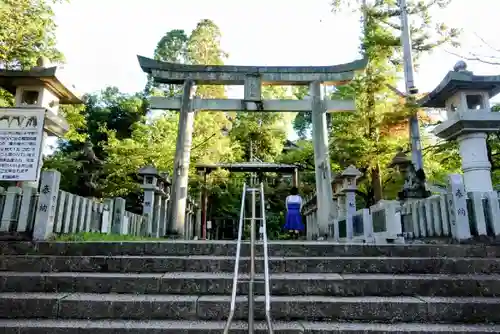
[184, 287]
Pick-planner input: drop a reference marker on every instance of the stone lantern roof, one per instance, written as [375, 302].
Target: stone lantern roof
[351, 171]
[50, 77]
[460, 80]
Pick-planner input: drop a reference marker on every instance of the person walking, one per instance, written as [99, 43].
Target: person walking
[293, 219]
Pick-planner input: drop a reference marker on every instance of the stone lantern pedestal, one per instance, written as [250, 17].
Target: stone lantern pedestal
[348, 178]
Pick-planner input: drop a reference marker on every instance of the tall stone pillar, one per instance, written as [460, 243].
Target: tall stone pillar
[295, 177]
[321, 159]
[161, 226]
[165, 206]
[157, 217]
[147, 209]
[197, 228]
[182, 160]
[202, 227]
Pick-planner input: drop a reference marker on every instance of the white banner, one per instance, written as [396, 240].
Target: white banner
[21, 134]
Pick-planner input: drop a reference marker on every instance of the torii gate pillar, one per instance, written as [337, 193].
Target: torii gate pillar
[182, 160]
[322, 168]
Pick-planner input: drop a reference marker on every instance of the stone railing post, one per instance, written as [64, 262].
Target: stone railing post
[459, 217]
[11, 197]
[47, 205]
[493, 211]
[107, 217]
[157, 216]
[118, 215]
[163, 215]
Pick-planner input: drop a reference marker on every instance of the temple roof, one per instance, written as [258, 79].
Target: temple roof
[460, 81]
[50, 78]
[166, 72]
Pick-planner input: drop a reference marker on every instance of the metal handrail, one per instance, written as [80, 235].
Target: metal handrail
[236, 263]
[266, 262]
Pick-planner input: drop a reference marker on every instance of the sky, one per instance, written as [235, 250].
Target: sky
[102, 38]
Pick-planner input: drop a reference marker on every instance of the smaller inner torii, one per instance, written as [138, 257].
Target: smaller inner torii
[241, 167]
[252, 78]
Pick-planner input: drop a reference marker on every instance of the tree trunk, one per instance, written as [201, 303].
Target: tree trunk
[376, 183]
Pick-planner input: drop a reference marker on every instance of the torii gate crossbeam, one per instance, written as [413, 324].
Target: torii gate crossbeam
[252, 77]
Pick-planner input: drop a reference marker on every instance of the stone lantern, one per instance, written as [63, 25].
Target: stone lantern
[465, 97]
[150, 185]
[348, 178]
[38, 93]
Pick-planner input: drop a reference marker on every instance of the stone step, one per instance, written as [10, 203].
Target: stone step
[228, 248]
[286, 284]
[204, 263]
[468, 310]
[27, 326]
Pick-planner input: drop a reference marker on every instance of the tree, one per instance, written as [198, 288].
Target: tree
[27, 32]
[171, 48]
[366, 137]
[262, 134]
[154, 142]
[303, 121]
[81, 155]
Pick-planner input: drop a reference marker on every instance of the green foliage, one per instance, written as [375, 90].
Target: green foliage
[302, 122]
[82, 155]
[369, 138]
[110, 137]
[27, 32]
[74, 115]
[172, 47]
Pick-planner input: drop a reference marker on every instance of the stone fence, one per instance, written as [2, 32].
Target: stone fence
[51, 211]
[455, 215]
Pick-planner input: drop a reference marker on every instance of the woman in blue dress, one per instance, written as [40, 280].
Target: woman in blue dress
[293, 213]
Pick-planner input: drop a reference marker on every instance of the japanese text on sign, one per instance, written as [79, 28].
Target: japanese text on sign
[20, 145]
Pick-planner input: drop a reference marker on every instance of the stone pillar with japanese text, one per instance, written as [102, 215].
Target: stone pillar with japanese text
[457, 208]
[47, 203]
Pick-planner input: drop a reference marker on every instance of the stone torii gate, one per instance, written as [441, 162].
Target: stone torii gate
[252, 78]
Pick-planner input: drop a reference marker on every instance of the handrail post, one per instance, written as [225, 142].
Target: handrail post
[236, 263]
[251, 282]
[267, 291]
